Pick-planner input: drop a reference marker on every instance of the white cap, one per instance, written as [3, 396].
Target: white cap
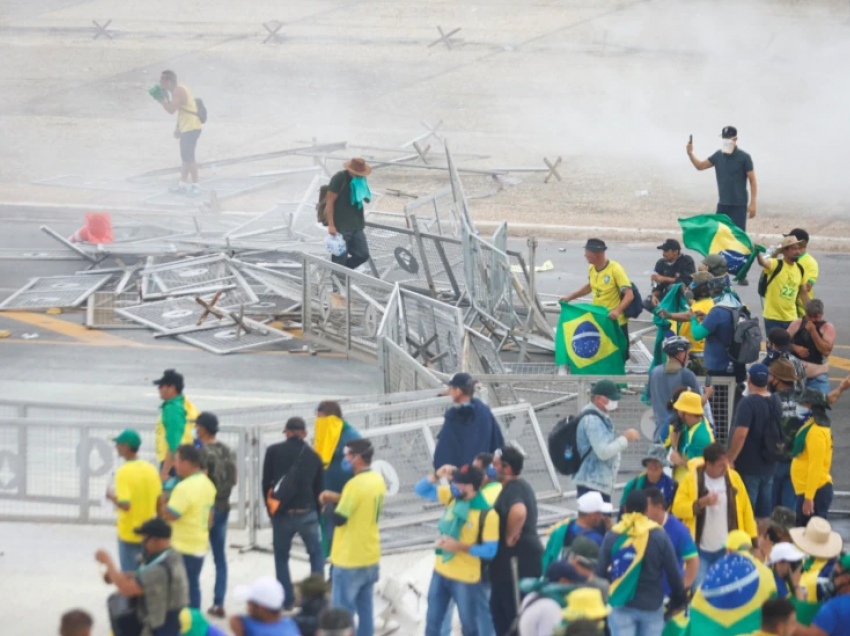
[266, 592]
[785, 552]
[592, 502]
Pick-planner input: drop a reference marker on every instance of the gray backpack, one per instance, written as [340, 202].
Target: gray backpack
[746, 337]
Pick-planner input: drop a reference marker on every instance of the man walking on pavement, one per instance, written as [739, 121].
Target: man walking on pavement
[220, 464]
[188, 129]
[608, 283]
[347, 191]
[599, 444]
[137, 490]
[292, 483]
[176, 420]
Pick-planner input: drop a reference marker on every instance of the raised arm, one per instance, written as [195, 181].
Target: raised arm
[699, 164]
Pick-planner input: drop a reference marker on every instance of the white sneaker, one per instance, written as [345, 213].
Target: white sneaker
[194, 191]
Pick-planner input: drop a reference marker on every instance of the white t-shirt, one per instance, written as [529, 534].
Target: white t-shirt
[716, 527]
[541, 618]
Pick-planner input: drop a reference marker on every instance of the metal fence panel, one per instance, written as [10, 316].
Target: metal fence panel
[401, 372]
[55, 291]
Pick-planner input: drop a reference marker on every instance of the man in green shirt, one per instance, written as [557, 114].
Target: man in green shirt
[347, 191]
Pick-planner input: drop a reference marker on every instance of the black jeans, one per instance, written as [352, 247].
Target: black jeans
[627, 352]
[738, 214]
[357, 250]
[503, 606]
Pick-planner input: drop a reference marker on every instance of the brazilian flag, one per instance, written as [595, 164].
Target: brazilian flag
[589, 342]
[730, 599]
[717, 234]
[679, 625]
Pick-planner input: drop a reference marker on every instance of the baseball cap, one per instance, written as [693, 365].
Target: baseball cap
[729, 132]
[156, 528]
[266, 592]
[170, 377]
[758, 374]
[295, 424]
[716, 264]
[591, 502]
[129, 437]
[785, 552]
[606, 388]
[468, 474]
[670, 244]
[595, 245]
[585, 550]
[207, 421]
[462, 381]
[561, 570]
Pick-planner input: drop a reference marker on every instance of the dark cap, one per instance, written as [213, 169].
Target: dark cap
[564, 571]
[585, 550]
[716, 264]
[170, 377]
[295, 424]
[595, 245]
[670, 244]
[462, 381]
[758, 375]
[814, 398]
[606, 388]
[207, 421]
[779, 339]
[799, 233]
[729, 132]
[156, 528]
[469, 474]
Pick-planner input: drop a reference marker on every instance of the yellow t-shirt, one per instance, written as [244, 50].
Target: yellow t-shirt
[188, 430]
[810, 470]
[137, 483]
[607, 284]
[705, 305]
[491, 492]
[187, 118]
[357, 543]
[810, 275]
[780, 300]
[192, 499]
[464, 567]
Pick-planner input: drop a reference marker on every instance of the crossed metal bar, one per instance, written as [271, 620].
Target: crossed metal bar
[553, 169]
[210, 308]
[445, 38]
[273, 27]
[101, 30]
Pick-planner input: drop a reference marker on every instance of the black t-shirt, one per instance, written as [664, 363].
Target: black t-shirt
[682, 269]
[529, 549]
[347, 217]
[754, 413]
[731, 172]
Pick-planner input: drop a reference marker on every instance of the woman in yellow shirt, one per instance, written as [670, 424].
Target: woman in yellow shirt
[812, 458]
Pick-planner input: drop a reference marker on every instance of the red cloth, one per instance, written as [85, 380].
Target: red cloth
[98, 229]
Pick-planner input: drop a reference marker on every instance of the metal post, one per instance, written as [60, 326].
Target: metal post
[423, 257]
[348, 313]
[84, 458]
[532, 262]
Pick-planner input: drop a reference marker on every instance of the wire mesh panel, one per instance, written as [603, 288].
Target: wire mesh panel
[282, 283]
[230, 338]
[173, 313]
[55, 291]
[101, 314]
[401, 372]
[436, 213]
[432, 330]
[196, 275]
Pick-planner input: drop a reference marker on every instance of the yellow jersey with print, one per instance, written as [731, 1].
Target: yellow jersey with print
[463, 566]
[191, 501]
[137, 483]
[607, 285]
[357, 542]
[187, 115]
[704, 305]
[780, 299]
[810, 276]
[175, 425]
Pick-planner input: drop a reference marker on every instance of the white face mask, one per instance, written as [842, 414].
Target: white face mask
[612, 405]
[728, 146]
[803, 413]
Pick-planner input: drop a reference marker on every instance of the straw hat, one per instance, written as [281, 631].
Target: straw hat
[358, 167]
[788, 241]
[689, 402]
[783, 370]
[585, 604]
[817, 539]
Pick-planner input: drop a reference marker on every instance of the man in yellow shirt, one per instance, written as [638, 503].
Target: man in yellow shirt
[608, 283]
[784, 278]
[356, 549]
[187, 131]
[811, 455]
[810, 270]
[176, 420]
[190, 513]
[137, 489]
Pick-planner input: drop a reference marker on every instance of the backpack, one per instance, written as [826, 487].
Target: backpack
[636, 306]
[221, 469]
[773, 441]
[765, 281]
[321, 206]
[745, 346]
[202, 110]
[563, 446]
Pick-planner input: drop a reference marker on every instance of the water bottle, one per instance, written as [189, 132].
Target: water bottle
[568, 452]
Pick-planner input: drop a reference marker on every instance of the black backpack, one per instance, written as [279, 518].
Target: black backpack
[745, 346]
[202, 110]
[563, 446]
[765, 281]
[636, 306]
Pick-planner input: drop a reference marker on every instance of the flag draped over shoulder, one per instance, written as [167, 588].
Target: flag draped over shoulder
[717, 234]
[588, 341]
[673, 303]
[627, 556]
[730, 599]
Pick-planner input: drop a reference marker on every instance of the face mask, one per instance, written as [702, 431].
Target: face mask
[612, 406]
[457, 493]
[492, 473]
[346, 466]
[728, 146]
[803, 413]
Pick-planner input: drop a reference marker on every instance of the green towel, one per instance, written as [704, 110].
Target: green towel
[360, 192]
[157, 92]
[455, 517]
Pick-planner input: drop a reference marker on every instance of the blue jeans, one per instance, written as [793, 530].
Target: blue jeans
[783, 489]
[627, 621]
[482, 609]
[218, 539]
[284, 527]
[129, 555]
[353, 589]
[819, 383]
[193, 574]
[706, 560]
[441, 592]
[760, 490]
[823, 500]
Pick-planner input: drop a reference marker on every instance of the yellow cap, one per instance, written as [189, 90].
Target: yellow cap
[689, 402]
[739, 541]
[585, 603]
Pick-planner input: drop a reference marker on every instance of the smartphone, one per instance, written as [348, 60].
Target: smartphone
[707, 381]
[690, 139]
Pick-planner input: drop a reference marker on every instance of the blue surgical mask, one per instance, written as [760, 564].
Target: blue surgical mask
[346, 466]
[492, 473]
[803, 412]
[457, 493]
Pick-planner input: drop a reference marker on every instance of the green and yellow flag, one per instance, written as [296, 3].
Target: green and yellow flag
[677, 626]
[589, 342]
[627, 556]
[717, 234]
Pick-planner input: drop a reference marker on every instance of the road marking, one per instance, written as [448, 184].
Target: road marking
[69, 329]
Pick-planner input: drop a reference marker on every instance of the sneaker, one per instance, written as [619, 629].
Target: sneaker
[194, 191]
[178, 189]
[743, 282]
[217, 611]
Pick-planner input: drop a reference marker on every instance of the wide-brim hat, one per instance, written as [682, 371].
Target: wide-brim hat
[817, 539]
[585, 604]
[358, 167]
[656, 452]
[783, 370]
[788, 241]
[689, 402]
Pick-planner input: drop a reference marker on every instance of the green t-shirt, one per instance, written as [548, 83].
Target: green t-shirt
[347, 217]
